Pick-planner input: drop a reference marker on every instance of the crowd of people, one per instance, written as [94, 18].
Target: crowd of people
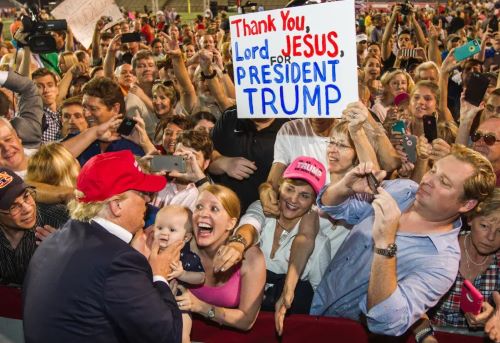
[380, 216]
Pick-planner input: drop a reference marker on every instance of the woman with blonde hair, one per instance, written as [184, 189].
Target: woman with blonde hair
[394, 82]
[66, 60]
[229, 297]
[53, 165]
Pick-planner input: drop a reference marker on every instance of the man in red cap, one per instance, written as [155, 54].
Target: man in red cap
[86, 283]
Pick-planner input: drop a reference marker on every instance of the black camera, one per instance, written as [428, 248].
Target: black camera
[38, 39]
[406, 7]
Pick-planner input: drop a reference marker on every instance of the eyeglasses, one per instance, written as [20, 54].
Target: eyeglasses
[28, 197]
[488, 138]
[338, 145]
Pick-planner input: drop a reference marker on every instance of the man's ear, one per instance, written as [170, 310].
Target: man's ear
[116, 108]
[468, 205]
[206, 164]
[115, 208]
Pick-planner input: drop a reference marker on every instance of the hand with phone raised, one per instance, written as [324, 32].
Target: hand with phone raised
[358, 180]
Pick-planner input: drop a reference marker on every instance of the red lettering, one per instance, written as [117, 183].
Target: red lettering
[324, 43]
[307, 42]
[333, 43]
[296, 45]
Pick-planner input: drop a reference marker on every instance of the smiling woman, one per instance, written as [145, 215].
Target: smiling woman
[230, 297]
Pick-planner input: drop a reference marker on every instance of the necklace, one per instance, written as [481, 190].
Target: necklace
[281, 225]
[468, 257]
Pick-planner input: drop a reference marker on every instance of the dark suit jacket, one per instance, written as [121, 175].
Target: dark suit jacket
[86, 285]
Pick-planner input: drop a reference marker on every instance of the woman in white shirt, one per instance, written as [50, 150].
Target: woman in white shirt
[300, 184]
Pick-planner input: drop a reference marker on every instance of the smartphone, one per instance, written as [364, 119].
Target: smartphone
[471, 299]
[405, 52]
[399, 126]
[430, 127]
[410, 147]
[467, 50]
[131, 37]
[493, 24]
[476, 88]
[126, 126]
[168, 163]
[373, 183]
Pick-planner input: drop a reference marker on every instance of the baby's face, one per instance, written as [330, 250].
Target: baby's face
[170, 228]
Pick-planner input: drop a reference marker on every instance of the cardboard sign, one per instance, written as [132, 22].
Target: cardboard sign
[295, 62]
[82, 15]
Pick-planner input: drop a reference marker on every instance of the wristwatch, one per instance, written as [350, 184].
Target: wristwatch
[239, 239]
[390, 251]
[211, 313]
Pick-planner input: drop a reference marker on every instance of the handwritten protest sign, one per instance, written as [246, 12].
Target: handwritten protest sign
[295, 62]
[82, 15]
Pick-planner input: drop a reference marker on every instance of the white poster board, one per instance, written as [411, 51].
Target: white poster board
[295, 62]
[82, 15]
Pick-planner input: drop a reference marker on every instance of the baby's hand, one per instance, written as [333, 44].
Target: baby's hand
[177, 270]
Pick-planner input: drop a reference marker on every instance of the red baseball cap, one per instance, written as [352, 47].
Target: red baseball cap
[112, 173]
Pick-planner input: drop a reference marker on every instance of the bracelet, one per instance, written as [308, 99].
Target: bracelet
[238, 239]
[201, 181]
[208, 77]
[422, 334]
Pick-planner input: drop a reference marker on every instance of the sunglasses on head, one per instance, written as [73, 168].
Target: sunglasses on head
[488, 138]
[166, 83]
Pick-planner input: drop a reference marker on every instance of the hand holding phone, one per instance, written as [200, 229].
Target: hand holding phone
[477, 85]
[126, 126]
[410, 147]
[467, 50]
[470, 298]
[168, 163]
[430, 127]
[372, 183]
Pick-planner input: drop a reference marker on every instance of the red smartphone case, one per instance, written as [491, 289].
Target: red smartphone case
[471, 299]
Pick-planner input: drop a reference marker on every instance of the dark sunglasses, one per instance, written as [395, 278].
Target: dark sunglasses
[488, 138]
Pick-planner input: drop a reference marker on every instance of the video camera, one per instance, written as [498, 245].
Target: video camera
[406, 7]
[38, 39]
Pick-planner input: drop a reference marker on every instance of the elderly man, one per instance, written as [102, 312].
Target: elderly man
[402, 254]
[87, 283]
[18, 219]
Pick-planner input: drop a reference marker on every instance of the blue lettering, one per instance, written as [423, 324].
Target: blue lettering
[321, 72]
[277, 70]
[295, 72]
[266, 73]
[270, 102]
[250, 91]
[254, 74]
[331, 100]
[295, 98]
[236, 50]
[240, 74]
[305, 71]
[333, 63]
[315, 98]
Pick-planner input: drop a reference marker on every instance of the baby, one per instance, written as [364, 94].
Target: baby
[173, 223]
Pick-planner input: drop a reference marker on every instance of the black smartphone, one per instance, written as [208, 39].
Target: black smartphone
[372, 183]
[168, 163]
[131, 37]
[126, 126]
[430, 127]
[410, 147]
[476, 88]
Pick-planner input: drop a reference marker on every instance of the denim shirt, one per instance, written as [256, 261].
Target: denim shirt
[427, 265]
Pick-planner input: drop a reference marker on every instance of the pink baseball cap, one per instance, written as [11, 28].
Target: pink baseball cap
[308, 169]
[113, 173]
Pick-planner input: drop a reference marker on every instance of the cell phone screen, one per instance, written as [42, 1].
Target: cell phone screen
[476, 88]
